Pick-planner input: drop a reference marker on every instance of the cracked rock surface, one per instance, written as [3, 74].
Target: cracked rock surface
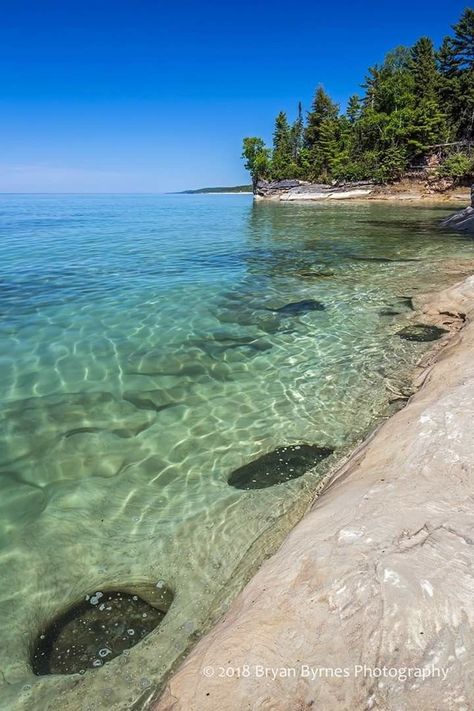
[380, 572]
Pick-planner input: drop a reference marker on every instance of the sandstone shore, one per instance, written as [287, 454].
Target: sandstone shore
[379, 574]
[408, 190]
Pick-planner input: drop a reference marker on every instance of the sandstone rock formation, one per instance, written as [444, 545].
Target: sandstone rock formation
[290, 190]
[376, 580]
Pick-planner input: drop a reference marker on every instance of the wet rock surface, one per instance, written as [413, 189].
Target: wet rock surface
[278, 467]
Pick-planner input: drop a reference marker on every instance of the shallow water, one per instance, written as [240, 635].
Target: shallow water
[145, 354]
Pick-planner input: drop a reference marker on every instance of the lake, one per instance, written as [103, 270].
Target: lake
[152, 345]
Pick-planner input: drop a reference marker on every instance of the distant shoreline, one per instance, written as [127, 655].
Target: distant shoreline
[227, 190]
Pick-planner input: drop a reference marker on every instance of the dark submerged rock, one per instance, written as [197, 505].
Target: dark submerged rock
[394, 260]
[95, 630]
[407, 301]
[421, 333]
[362, 258]
[299, 307]
[307, 274]
[278, 467]
[389, 312]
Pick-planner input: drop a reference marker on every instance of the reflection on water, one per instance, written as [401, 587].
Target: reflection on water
[149, 347]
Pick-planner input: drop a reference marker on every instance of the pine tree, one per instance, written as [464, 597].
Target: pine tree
[329, 146]
[282, 157]
[463, 40]
[463, 48]
[423, 69]
[322, 108]
[412, 101]
[297, 134]
[426, 121]
[448, 66]
[354, 107]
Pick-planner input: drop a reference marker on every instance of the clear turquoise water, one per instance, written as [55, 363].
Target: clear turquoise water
[142, 360]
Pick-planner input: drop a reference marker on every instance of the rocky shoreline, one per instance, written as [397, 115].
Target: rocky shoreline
[462, 221]
[377, 578]
[406, 190]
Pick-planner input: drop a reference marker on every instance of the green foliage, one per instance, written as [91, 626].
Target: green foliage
[282, 164]
[414, 101]
[257, 158]
[322, 108]
[424, 71]
[459, 167]
[354, 108]
[463, 41]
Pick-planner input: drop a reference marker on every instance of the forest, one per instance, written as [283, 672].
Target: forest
[415, 111]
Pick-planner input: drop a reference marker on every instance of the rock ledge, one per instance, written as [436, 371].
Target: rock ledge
[378, 575]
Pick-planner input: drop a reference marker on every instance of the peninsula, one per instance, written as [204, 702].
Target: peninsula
[413, 121]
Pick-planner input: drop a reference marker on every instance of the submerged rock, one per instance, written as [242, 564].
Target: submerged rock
[395, 260]
[421, 332]
[278, 467]
[308, 274]
[95, 630]
[361, 258]
[389, 312]
[407, 301]
[299, 307]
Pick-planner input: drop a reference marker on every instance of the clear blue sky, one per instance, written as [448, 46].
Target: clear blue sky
[146, 95]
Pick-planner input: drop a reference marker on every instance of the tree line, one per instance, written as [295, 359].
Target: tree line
[419, 100]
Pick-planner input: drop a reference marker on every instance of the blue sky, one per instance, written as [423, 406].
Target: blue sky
[149, 96]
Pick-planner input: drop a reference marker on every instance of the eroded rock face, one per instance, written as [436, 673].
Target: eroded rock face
[289, 190]
[276, 187]
[278, 467]
[95, 630]
[421, 333]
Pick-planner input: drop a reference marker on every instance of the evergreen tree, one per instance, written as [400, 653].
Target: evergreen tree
[424, 71]
[448, 66]
[450, 86]
[427, 122]
[297, 134]
[354, 107]
[463, 47]
[416, 99]
[322, 108]
[463, 41]
[282, 158]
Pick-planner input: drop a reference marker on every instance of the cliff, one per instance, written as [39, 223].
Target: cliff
[289, 190]
[408, 189]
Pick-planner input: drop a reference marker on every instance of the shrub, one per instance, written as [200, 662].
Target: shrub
[458, 167]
